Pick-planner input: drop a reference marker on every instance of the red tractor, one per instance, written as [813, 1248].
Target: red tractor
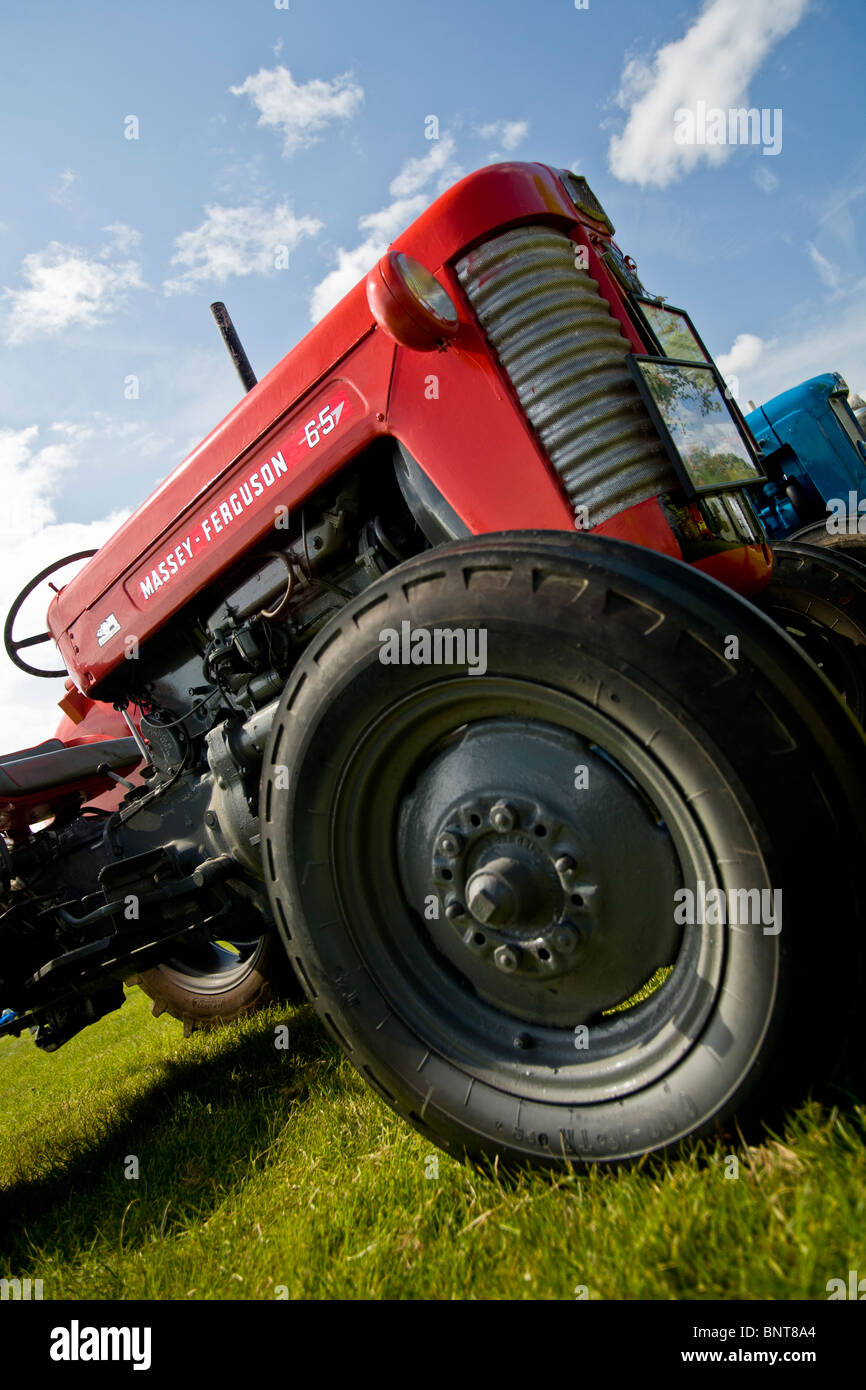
[430, 684]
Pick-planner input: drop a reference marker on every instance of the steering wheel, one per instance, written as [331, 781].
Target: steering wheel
[14, 646]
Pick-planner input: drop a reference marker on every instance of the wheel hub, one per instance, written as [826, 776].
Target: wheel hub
[555, 903]
[506, 891]
[501, 887]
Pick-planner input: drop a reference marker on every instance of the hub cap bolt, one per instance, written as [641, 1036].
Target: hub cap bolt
[507, 958]
[454, 910]
[482, 904]
[449, 844]
[565, 864]
[502, 817]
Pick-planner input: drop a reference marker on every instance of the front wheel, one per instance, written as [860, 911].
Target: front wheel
[555, 871]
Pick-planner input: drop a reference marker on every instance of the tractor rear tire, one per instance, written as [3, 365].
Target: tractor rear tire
[475, 872]
[818, 595]
[213, 986]
[850, 543]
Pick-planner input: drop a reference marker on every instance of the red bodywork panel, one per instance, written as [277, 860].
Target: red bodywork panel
[473, 441]
[745, 568]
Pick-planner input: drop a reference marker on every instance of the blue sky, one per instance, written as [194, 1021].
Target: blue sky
[304, 128]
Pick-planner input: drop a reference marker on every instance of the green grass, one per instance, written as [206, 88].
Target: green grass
[261, 1168]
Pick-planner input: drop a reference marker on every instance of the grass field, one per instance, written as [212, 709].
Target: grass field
[266, 1173]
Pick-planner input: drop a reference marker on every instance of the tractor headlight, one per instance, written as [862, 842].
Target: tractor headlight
[426, 289]
[409, 303]
[584, 199]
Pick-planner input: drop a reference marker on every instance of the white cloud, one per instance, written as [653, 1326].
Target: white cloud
[509, 135]
[251, 240]
[301, 110]
[31, 538]
[136, 434]
[745, 353]
[838, 220]
[766, 180]
[29, 477]
[123, 238]
[713, 63]
[828, 273]
[73, 429]
[383, 226]
[65, 286]
[415, 173]
[820, 335]
[63, 189]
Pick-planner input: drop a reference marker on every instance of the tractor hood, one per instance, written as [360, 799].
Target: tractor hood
[272, 448]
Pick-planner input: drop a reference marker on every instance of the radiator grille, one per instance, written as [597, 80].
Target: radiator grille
[566, 357]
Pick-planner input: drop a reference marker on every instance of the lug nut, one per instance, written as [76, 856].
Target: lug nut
[483, 905]
[565, 939]
[449, 844]
[565, 864]
[454, 910]
[502, 816]
[507, 958]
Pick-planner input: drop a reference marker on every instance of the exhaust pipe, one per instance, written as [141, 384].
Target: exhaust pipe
[234, 344]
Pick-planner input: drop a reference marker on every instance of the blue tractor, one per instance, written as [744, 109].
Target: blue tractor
[814, 455]
[813, 506]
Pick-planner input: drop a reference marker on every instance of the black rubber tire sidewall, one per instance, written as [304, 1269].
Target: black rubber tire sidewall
[780, 743]
[851, 544]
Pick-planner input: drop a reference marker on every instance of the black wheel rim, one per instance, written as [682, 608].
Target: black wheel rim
[629, 1049]
[837, 656]
[215, 967]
